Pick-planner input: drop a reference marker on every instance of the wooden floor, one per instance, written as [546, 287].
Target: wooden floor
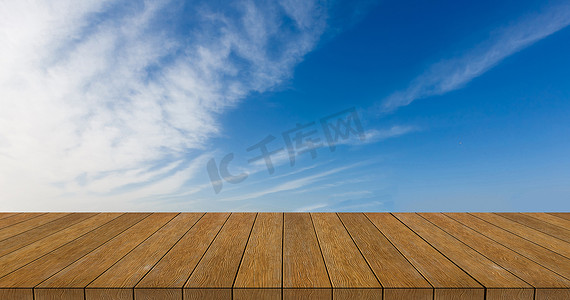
[291, 256]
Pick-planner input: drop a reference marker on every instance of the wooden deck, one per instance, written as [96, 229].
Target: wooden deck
[284, 256]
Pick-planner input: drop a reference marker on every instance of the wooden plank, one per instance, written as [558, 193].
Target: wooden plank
[16, 229]
[83, 271]
[447, 279]
[119, 280]
[25, 255]
[25, 238]
[275, 256]
[5, 215]
[40, 269]
[256, 293]
[307, 294]
[158, 293]
[166, 279]
[543, 280]
[16, 294]
[304, 272]
[553, 230]
[17, 218]
[260, 272]
[399, 279]
[350, 275]
[215, 273]
[560, 222]
[549, 259]
[561, 215]
[498, 282]
[528, 233]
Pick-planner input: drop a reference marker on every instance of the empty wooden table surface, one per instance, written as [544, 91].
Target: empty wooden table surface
[284, 256]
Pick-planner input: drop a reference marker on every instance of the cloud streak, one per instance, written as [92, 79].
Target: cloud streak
[96, 95]
[452, 74]
[377, 135]
[291, 185]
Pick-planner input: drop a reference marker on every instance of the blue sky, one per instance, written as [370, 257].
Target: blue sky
[112, 106]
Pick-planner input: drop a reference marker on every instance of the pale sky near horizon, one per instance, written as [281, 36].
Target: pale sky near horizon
[360, 105]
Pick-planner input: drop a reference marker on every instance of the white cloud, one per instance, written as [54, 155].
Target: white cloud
[378, 135]
[452, 74]
[311, 207]
[290, 185]
[94, 94]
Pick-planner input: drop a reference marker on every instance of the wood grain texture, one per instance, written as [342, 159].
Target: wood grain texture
[29, 253]
[307, 294]
[303, 264]
[458, 294]
[174, 269]
[5, 215]
[261, 267]
[109, 294]
[25, 238]
[506, 294]
[447, 279]
[208, 294]
[407, 293]
[18, 228]
[17, 218]
[398, 277]
[156, 294]
[350, 275]
[218, 268]
[83, 271]
[560, 222]
[552, 294]
[58, 294]
[549, 259]
[16, 294]
[524, 268]
[502, 283]
[88, 256]
[42, 268]
[528, 233]
[540, 225]
[126, 273]
[256, 293]
[561, 215]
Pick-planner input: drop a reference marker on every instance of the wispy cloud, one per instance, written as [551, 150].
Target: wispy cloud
[377, 135]
[283, 158]
[290, 185]
[312, 207]
[452, 74]
[94, 94]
